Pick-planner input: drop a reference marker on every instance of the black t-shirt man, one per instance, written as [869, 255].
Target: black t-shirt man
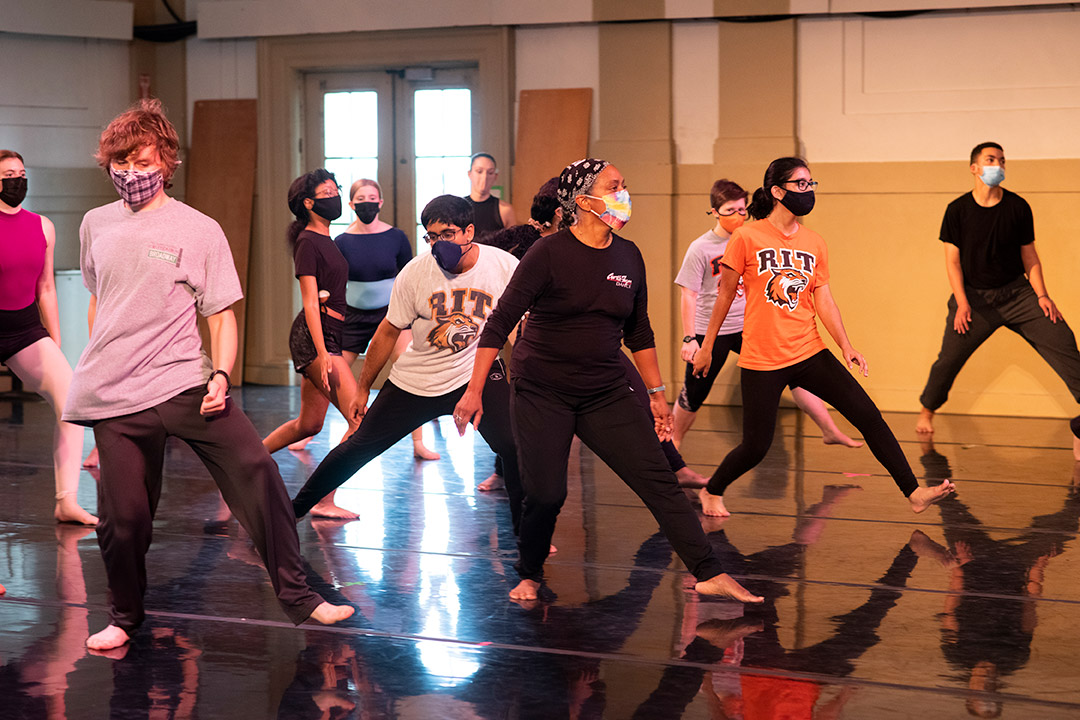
[989, 238]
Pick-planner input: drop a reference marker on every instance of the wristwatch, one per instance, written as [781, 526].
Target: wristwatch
[689, 338]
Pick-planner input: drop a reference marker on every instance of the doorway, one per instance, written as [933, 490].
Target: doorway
[413, 130]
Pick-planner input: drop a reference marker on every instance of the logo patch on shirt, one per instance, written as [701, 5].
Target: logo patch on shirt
[785, 287]
[170, 255]
[620, 280]
[454, 332]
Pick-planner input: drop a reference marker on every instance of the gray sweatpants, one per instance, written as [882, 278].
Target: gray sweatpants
[1016, 307]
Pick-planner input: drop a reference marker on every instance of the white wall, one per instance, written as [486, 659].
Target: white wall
[930, 87]
[220, 70]
[695, 70]
[560, 56]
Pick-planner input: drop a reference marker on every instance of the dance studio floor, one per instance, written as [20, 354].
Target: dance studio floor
[971, 609]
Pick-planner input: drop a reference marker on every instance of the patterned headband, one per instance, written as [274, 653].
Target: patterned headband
[576, 179]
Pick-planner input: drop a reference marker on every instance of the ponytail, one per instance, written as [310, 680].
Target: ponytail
[761, 204]
[779, 171]
[301, 189]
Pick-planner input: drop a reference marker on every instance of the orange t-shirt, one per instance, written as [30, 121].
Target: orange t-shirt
[780, 274]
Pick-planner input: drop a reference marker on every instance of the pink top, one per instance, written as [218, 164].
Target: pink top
[22, 258]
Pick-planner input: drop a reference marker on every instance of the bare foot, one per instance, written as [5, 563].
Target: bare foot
[299, 444]
[328, 614]
[107, 639]
[923, 546]
[493, 482]
[552, 550]
[925, 423]
[835, 437]
[327, 509]
[68, 511]
[525, 590]
[690, 479]
[712, 505]
[422, 453]
[925, 497]
[91, 459]
[723, 585]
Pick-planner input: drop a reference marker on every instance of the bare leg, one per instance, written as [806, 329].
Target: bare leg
[813, 406]
[925, 423]
[808, 527]
[712, 505]
[723, 585]
[44, 370]
[313, 405]
[419, 451]
[684, 420]
[925, 497]
[91, 460]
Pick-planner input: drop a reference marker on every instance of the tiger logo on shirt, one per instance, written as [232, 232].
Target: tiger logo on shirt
[454, 332]
[784, 288]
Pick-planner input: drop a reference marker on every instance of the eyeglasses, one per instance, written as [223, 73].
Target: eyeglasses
[323, 194]
[447, 234]
[729, 213]
[803, 185]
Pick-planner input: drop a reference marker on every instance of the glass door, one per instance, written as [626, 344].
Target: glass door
[413, 130]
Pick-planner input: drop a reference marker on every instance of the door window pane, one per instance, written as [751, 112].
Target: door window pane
[443, 143]
[351, 142]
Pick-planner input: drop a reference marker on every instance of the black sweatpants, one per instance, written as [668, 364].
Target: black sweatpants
[696, 389]
[824, 376]
[1016, 307]
[612, 425]
[394, 414]
[637, 384]
[132, 452]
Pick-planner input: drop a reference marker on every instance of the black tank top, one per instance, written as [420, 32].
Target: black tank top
[486, 217]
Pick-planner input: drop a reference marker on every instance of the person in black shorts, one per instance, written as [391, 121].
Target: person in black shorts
[997, 281]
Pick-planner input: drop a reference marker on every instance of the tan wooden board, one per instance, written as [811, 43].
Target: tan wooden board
[553, 131]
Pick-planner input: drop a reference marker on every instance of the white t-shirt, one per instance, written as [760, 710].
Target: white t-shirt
[700, 272]
[446, 313]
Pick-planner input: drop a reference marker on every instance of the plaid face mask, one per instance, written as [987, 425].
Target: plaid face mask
[136, 187]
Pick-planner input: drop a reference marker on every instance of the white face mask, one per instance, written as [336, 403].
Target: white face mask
[992, 175]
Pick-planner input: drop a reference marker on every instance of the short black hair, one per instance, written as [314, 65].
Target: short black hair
[977, 150]
[450, 209]
[477, 156]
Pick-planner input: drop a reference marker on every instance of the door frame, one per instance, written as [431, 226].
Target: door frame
[282, 63]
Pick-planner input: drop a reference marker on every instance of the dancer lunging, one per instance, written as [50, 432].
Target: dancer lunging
[785, 269]
[584, 289]
[151, 263]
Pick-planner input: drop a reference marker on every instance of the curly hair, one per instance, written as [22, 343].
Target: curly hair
[142, 125]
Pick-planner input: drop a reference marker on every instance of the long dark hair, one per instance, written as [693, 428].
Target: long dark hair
[779, 171]
[301, 189]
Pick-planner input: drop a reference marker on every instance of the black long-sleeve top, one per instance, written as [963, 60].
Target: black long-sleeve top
[583, 302]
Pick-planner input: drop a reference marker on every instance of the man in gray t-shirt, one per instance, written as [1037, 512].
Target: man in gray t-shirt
[151, 263]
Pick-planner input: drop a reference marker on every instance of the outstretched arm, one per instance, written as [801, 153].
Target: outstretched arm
[956, 283]
[470, 407]
[223, 343]
[729, 285]
[46, 285]
[829, 313]
[1033, 269]
[378, 352]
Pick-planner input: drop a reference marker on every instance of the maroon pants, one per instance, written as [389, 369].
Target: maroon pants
[132, 452]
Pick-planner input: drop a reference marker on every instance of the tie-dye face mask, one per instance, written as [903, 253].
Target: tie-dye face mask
[616, 209]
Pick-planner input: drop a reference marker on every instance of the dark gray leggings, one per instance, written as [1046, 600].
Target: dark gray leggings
[824, 376]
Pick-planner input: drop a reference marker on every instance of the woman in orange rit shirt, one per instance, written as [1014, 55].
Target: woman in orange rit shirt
[785, 270]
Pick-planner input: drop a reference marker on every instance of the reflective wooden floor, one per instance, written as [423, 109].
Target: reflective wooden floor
[970, 609]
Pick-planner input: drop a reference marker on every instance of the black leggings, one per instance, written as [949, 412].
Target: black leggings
[696, 389]
[824, 376]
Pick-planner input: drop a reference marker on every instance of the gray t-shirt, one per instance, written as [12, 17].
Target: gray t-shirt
[150, 271]
[447, 313]
[700, 272]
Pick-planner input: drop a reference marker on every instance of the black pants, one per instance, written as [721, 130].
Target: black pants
[132, 452]
[696, 389]
[824, 376]
[637, 384]
[1016, 307]
[394, 414]
[613, 426]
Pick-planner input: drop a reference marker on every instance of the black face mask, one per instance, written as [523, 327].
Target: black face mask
[448, 254]
[14, 191]
[328, 208]
[799, 203]
[366, 212]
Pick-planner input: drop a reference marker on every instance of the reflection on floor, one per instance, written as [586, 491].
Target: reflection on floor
[970, 609]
